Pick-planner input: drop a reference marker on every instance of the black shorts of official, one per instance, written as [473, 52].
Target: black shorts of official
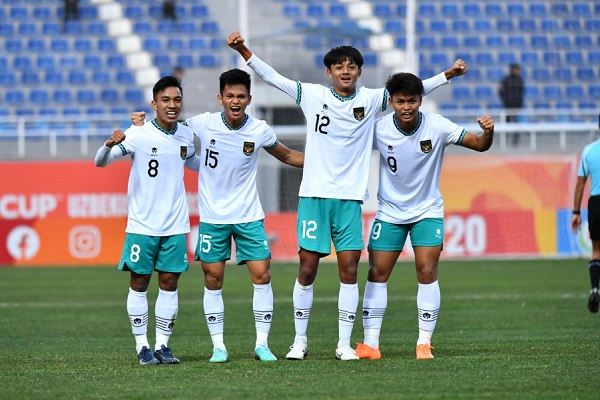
[594, 217]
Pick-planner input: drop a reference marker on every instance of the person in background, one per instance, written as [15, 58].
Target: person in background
[511, 91]
[71, 11]
[169, 10]
[589, 166]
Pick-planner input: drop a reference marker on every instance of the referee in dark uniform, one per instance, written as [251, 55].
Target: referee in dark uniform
[589, 166]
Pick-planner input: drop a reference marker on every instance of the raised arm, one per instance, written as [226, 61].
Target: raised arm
[480, 142]
[287, 155]
[105, 154]
[459, 68]
[261, 68]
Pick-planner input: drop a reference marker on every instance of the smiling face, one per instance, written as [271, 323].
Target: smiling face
[344, 77]
[406, 110]
[235, 99]
[167, 105]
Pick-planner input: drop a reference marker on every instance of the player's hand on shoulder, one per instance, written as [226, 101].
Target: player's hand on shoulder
[117, 137]
[235, 40]
[459, 68]
[138, 118]
[486, 123]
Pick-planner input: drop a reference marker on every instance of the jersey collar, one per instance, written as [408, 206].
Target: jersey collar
[411, 132]
[160, 128]
[353, 95]
[231, 128]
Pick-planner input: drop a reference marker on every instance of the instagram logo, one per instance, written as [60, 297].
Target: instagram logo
[85, 241]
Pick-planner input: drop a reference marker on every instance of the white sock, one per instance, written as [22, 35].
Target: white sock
[137, 308]
[303, 299]
[374, 306]
[347, 305]
[214, 311]
[262, 303]
[428, 306]
[167, 305]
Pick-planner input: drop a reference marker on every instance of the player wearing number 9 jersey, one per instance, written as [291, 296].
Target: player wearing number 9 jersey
[339, 134]
[158, 217]
[411, 146]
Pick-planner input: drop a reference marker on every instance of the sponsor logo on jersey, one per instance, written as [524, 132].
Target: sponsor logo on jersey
[183, 152]
[359, 113]
[426, 146]
[248, 148]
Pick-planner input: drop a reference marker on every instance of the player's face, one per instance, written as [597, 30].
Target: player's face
[235, 99]
[168, 106]
[344, 77]
[406, 108]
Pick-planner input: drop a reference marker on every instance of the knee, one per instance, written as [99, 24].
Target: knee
[213, 282]
[262, 278]
[427, 274]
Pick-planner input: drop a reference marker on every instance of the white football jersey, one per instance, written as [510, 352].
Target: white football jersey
[228, 163]
[339, 132]
[410, 165]
[156, 192]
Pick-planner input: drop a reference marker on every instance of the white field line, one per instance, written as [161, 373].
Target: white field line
[474, 297]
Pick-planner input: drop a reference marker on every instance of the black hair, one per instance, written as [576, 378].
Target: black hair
[404, 83]
[234, 77]
[338, 55]
[165, 82]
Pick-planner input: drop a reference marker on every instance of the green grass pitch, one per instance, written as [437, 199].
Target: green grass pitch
[506, 330]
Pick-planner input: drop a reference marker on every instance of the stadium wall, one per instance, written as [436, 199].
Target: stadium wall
[72, 213]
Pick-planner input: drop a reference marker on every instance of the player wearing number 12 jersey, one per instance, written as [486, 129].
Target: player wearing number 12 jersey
[339, 134]
[158, 217]
[411, 146]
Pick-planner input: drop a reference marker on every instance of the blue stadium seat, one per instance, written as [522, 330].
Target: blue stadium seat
[59, 45]
[27, 28]
[472, 10]
[529, 58]
[100, 77]
[175, 44]
[400, 42]
[493, 9]
[88, 11]
[315, 10]
[563, 74]
[71, 111]
[292, 11]
[482, 25]
[185, 60]
[83, 45]
[41, 12]
[197, 43]
[583, 41]
[208, 61]
[449, 10]
[96, 28]
[95, 110]
[571, 24]
[440, 58]
[73, 27]
[531, 92]
[575, 91]
[209, 27]
[86, 96]
[6, 29]
[472, 41]
[162, 61]
[48, 112]
[200, 11]
[155, 11]
[77, 77]
[461, 25]
[25, 112]
[541, 74]
[38, 96]
[505, 25]
[382, 10]
[110, 96]
[587, 105]
[494, 41]
[427, 42]
[22, 62]
[582, 9]
[187, 27]
[134, 95]
[7, 78]
[466, 57]
[549, 25]
[562, 41]
[560, 9]
[107, 44]
[594, 57]
[552, 92]
[592, 25]
[51, 28]
[515, 9]
[393, 26]
[125, 78]
[92, 62]
[484, 92]
[115, 61]
[401, 10]
[62, 96]
[134, 11]
[36, 45]
[539, 41]
[166, 26]
[30, 77]
[484, 58]
[538, 9]
[338, 10]
[19, 12]
[541, 105]
[527, 25]
[13, 45]
[474, 75]
[552, 57]
[152, 44]
[448, 42]
[45, 61]
[53, 77]
[516, 41]
[438, 25]
[594, 91]
[68, 62]
[574, 57]
[142, 27]
[585, 74]
[15, 96]
[426, 10]
[461, 92]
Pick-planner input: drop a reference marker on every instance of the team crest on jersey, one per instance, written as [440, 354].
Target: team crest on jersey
[248, 148]
[426, 146]
[359, 113]
[183, 152]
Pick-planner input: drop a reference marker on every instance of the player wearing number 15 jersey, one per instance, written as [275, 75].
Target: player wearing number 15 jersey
[411, 146]
[339, 135]
[158, 217]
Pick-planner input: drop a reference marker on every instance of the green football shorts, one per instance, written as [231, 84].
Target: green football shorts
[321, 221]
[214, 242]
[143, 254]
[428, 232]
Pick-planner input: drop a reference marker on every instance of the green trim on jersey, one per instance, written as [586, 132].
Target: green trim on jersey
[231, 128]
[341, 98]
[160, 128]
[411, 132]
[272, 146]
[385, 103]
[462, 137]
[298, 93]
[123, 149]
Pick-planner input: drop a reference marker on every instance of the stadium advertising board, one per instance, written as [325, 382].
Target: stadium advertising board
[73, 213]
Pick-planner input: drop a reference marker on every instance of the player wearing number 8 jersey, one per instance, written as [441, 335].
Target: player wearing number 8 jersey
[339, 133]
[158, 217]
[411, 146]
